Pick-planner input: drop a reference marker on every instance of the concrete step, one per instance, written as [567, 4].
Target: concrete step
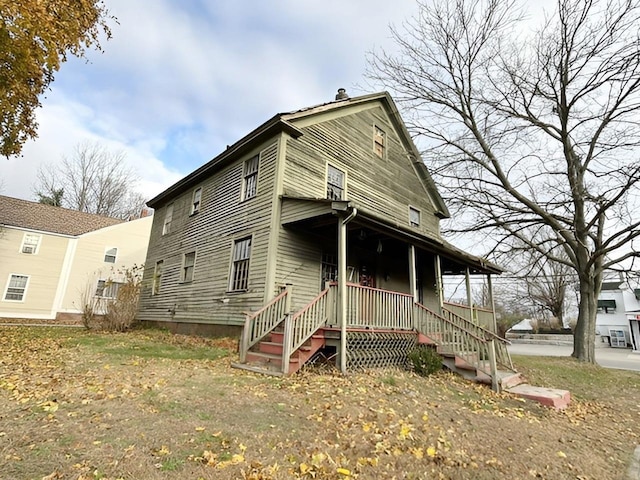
[551, 397]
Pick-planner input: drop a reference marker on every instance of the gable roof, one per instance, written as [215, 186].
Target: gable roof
[15, 212]
[285, 122]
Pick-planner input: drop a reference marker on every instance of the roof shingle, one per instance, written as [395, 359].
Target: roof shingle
[15, 212]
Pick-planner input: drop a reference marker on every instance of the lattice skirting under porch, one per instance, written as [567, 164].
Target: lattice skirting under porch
[378, 349]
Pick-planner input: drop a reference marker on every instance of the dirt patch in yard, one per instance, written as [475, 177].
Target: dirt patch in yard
[151, 405]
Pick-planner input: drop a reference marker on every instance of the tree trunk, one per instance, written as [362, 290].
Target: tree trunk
[584, 336]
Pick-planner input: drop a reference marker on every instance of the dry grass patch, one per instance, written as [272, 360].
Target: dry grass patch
[147, 404]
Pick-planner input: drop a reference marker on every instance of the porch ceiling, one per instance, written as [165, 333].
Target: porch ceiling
[316, 214]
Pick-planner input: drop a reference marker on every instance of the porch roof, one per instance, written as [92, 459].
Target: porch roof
[320, 212]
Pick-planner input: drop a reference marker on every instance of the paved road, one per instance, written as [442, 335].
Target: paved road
[606, 356]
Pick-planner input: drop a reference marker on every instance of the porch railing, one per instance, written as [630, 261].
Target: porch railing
[375, 308]
[502, 355]
[454, 339]
[480, 316]
[299, 327]
[262, 322]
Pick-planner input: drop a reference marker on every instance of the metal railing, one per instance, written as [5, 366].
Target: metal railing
[262, 322]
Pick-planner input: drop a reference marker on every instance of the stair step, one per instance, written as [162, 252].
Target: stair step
[257, 369]
[271, 347]
[269, 358]
[551, 397]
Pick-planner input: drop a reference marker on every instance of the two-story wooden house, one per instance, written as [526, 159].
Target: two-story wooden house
[326, 217]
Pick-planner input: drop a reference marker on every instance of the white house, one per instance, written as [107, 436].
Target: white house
[51, 256]
[618, 313]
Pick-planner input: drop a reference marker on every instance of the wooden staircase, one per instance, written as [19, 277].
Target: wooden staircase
[268, 355]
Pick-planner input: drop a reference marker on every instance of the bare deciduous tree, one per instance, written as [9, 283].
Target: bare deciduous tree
[530, 132]
[93, 180]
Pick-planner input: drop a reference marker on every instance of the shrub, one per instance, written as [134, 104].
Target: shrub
[121, 311]
[424, 361]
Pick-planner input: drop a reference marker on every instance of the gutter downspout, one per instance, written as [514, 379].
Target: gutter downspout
[342, 286]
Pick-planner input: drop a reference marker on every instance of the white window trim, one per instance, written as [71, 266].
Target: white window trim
[411, 223]
[168, 219]
[326, 179]
[24, 293]
[194, 209]
[24, 238]
[115, 257]
[232, 263]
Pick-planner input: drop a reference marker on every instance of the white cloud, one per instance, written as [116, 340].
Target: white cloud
[181, 80]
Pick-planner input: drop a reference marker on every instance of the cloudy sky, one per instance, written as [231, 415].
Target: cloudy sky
[181, 80]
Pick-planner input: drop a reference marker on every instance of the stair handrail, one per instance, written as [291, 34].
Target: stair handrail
[303, 324]
[262, 322]
[502, 353]
[472, 348]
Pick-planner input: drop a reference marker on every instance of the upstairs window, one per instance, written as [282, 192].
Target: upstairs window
[30, 243]
[379, 141]
[17, 288]
[168, 218]
[335, 183]
[196, 201]
[250, 178]
[110, 255]
[240, 264]
[414, 217]
[188, 265]
[157, 277]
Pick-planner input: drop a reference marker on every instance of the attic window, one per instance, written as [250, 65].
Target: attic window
[379, 141]
[335, 183]
[250, 175]
[30, 243]
[110, 255]
[197, 200]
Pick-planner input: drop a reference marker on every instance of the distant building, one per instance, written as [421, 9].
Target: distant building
[51, 256]
[618, 313]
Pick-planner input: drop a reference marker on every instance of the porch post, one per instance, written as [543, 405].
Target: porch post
[342, 291]
[439, 282]
[469, 296]
[492, 303]
[412, 273]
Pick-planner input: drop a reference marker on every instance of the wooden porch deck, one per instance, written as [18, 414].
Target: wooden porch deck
[277, 341]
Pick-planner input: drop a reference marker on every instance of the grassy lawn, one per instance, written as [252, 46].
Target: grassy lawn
[151, 405]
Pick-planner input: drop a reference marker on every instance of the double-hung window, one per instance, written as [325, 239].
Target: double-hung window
[240, 264]
[414, 217]
[168, 218]
[188, 265]
[250, 178]
[196, 201]
[157, 277]
[30, 243]
[335, 183]
[107, 289]
[17, 288]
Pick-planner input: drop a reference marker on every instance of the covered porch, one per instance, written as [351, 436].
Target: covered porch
[382, 297]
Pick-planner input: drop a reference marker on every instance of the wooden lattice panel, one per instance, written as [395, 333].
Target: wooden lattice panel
[378, 349]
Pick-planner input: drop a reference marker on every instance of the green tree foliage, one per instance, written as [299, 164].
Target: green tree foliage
[36, 36]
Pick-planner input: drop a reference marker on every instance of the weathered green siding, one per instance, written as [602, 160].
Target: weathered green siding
[222, 218]
[383, 186]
